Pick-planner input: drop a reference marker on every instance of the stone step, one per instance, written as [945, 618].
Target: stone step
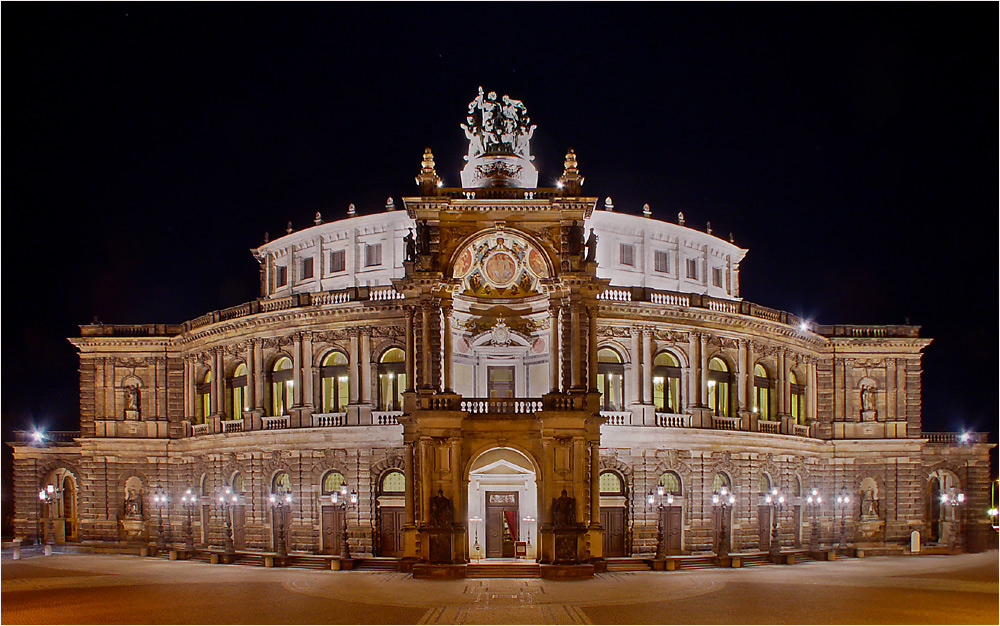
[617, 564]
[503, 570]
[378, 564]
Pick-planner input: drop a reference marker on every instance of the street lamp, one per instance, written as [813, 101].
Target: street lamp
[814, 500]
[190, 501]
[723, 500]
[342, 499]
[280, 501]
[776, 501]
[658, 499]
[528, 521]
[843, 503]
[160, 501]
[475, 544]
[954, 502]
[48, 496]
[227, 500]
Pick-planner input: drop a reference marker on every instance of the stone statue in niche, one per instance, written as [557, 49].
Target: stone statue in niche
[411, 246]
[869, 504]
[133, 502]
[576, 239]
[423, 238]
[592, 247]
[563, 511]
[132, 402]
[868, 412]
[442, 514]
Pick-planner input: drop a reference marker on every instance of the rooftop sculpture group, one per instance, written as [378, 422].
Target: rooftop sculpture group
[498, 130]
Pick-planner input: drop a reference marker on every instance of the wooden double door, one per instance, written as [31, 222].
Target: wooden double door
[333, 529]
[502, 515]
[390, 530]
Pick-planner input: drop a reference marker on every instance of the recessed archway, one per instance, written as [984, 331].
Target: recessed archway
[503, 505]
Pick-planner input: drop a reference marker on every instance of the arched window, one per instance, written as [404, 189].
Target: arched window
[391, 380]
[720, 384]
[798, 398]
[719, 482]
[334, 373]
[764, 484]
[611, 484]
[797, 486]
[203, 485]
[281, 386]
[237, 385]
[203, 406]
[666, 383]
[610, 379]
[237, 483]
[671, 483]
[393, 482]
[332, 482]
[281, 484]
[763, 393]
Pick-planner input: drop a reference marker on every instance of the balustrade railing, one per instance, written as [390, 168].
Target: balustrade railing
[956, 437]
[621, 295]
[673, 299]
[232, 426]
[768, 426]
[275, 423]
[278, 304]
[322, 420]
[617, 418]
[501, 405]
[673, 420]
[725, 423]
[332, 297]
[201, 429]
[800, 430]
[385, 293]
[386, 418]
[43, 437]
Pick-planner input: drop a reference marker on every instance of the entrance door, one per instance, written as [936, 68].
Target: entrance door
[764, 528]
[333, 524]
[613, 523]
[239, 517]
[69, 508]
[797, 514]
[390, 526]
[500, 381]
[672, 529]
[501, 523]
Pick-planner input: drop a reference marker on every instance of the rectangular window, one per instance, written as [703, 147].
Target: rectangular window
[337, 261]
[626, 254]
[692, 269]
[661, 261]
[373, 254]
[280, 276]
[307, 268]
[717, 276]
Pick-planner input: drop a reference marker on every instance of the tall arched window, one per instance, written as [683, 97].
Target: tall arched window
[720, 481]
[237, 483]
[334, 388]
[720, 384]
[763, 392]
[798, 398]
[203, 406]
[764, 484]
[671, 483]
[391, 380]
[281, 484]
[393, 482]
[332, 482]
[666, 383]
[237, 385]
[281, 386]
[610, 379]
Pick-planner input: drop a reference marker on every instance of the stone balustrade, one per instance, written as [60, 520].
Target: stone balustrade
[201, 429]
[501, 405]
[956, 438]
[232, 426]
[386, 418]
[275, 423]
[725, 423]
[617, 418]
[768, 426]
[324, 420]
[673, 420]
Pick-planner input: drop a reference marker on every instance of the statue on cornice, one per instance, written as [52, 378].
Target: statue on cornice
[497, 126]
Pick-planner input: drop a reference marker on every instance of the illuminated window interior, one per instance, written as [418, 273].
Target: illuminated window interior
[391, 380]
[332, 482]
[610, 379]
[666, 383]
[671, 483]
[763, 393]
[611, 483]
[334, 382]
[281, 386]
[720, 383]
[394, 482]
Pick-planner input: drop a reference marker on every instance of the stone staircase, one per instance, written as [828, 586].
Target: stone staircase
[377, 564]
[626, 564]
[503, 570]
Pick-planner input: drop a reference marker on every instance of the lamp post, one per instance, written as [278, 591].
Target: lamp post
[657, 499]
[954, 502]
[160, 501]
[723, 500]
[49, 496]
[843, 503]
[528, 521]
[190, 501]
[775, 500]
[342, 499]
[227, 500]
[814, 500]
[279, 501]
[475, 544]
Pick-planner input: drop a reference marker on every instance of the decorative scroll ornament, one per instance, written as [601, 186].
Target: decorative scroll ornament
[500, 334]
[498, 131]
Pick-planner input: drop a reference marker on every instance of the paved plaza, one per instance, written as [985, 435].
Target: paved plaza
[112, 589]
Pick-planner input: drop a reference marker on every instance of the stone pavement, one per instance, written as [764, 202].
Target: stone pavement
[113, 589]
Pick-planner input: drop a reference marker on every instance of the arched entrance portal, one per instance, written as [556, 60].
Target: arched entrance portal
[503, 505]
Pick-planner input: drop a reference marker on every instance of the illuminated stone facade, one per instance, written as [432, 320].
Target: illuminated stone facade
[463, 360]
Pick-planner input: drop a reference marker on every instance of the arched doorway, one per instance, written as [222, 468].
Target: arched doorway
[503, 505]
[61, 513]
[940, 519]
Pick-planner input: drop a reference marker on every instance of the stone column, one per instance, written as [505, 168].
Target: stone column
[189, 394]
[782, 377]
[745, 374]
[565, 349]
[408, 357]
[595, 484]
[694, 377]
[579, 459]
[647, 365]
[215, 396]
[366, 365]
[457, 498]
[426, 458]
[410, 480]
[251, 358]
[446, 314]
[703, 368]
[592, 349]
[576, 380]
[308, 371]
[813, 384]
[354, 367]
[554, 348]
[635, 386]
[258, 369]
[296, 370]
[426, 380]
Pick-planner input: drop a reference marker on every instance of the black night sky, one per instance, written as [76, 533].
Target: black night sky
[851, 147]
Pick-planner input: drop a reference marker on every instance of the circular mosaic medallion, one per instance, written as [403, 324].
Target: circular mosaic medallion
[500, 268]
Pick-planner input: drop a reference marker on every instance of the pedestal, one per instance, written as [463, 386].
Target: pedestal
[439, 546]
[567, 545]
